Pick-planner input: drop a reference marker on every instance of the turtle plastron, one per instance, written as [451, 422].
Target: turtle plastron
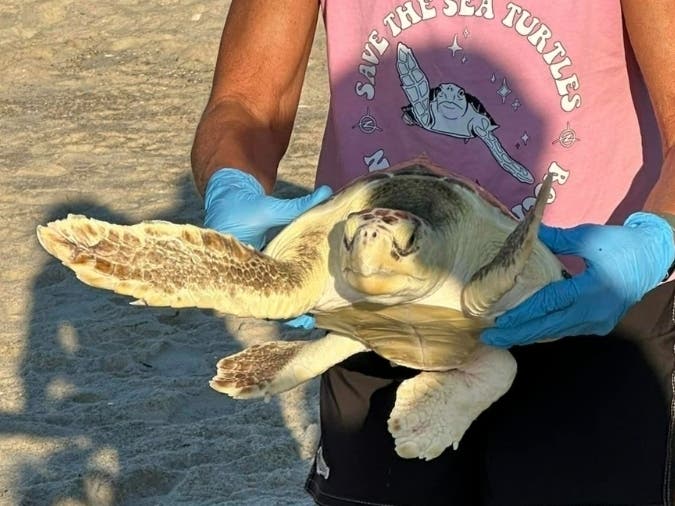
[433, 410]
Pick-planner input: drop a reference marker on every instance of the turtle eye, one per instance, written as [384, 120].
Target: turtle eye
[411, 241]
[409, 247]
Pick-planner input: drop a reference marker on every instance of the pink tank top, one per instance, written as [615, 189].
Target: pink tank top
[500, 92]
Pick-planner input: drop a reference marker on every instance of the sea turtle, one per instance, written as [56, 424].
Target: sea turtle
[448, 109]
[410, 263]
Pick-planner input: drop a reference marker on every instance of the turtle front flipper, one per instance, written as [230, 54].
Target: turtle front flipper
[415, 85]
[521, 266]
[483, 129]
[276, 366]
[164, 264]
[433, 410]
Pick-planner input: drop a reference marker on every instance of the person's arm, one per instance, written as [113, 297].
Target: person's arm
[259, 73]
[650, 28]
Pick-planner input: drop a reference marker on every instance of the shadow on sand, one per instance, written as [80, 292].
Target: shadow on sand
[117, 401]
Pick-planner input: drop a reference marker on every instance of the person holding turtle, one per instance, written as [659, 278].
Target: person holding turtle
[503, 93]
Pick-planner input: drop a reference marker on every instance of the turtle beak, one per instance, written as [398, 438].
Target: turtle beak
[377, 239]
[379, 253]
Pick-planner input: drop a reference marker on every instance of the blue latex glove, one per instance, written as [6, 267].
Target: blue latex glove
[235, 203]
[622, 264]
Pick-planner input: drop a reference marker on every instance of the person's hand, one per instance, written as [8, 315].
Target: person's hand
[622, 264]
[235, 203]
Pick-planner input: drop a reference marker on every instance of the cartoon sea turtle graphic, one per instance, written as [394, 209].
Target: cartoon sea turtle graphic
[449, 110]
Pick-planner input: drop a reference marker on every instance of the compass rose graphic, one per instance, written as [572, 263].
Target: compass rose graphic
[367, 123]
[567, 137]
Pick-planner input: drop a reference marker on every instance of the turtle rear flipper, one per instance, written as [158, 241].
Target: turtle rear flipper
[276, 366]
[433, 410]
[505, 161]
[164, 264]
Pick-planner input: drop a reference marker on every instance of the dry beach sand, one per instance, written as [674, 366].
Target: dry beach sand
[102, 402]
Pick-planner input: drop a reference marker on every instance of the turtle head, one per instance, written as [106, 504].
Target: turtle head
[449, 100]
[384, 251]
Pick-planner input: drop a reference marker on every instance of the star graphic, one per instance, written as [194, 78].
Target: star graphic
[504, 90]
[515, 104]
[455, 46]
[525, 138]
[466, 33]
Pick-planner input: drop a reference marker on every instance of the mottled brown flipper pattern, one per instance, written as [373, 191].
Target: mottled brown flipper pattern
[164, 264]
[251, 372]
[277, 366]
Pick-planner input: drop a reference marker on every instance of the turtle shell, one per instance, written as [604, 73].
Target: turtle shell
[421, 167]
[430, 337]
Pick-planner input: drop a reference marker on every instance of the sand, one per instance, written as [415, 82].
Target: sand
[101, 402]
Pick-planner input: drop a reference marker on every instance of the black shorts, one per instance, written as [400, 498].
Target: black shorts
[586, 422]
